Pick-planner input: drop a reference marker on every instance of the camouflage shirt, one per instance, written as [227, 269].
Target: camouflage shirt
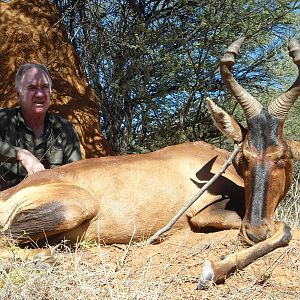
[58, 146]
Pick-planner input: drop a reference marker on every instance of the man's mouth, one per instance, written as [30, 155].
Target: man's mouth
[39, 106]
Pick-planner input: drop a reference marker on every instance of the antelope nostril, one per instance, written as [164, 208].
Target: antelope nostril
[252, 237]
[257, 233]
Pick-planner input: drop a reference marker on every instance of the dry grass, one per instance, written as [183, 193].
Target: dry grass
[289, 209]
[166, 271]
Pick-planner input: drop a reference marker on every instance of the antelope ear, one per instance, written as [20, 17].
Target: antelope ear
[295, 149]
[225, 123]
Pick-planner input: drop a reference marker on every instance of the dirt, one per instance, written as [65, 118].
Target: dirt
[170, 270]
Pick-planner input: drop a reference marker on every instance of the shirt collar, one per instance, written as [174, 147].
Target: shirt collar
[21, 121]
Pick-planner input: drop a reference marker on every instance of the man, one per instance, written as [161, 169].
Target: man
[31, 139]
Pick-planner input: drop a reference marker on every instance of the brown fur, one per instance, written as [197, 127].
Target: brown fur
[111, 199]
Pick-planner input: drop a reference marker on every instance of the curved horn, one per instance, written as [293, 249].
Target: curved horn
[249, 104]
[280, 107]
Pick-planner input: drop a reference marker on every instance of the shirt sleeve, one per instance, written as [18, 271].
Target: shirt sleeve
[72, 149]
[8, 152]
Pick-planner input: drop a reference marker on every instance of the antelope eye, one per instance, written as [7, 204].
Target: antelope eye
[281, 163]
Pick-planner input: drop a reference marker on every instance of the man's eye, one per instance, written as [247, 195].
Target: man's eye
[31, 88]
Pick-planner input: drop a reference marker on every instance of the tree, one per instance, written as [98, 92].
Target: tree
[152, 63]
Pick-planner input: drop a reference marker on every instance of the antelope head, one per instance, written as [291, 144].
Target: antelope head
[266, 158]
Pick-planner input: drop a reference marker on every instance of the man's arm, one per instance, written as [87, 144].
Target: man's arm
[11, 154]
[8, 151]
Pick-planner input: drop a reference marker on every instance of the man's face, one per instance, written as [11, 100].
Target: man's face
[34, 92]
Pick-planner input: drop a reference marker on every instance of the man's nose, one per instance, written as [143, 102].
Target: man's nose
[39, 92]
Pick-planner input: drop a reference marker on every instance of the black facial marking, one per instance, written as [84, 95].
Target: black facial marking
[263, 131]
[260, 186]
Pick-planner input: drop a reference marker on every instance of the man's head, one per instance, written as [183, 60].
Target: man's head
[33, 87]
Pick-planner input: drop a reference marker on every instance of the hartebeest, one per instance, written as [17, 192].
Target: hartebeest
[115, 199]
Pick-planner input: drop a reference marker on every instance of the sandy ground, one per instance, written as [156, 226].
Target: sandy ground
[170, 270]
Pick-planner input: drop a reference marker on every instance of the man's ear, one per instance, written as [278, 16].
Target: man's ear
[17, 92]
[225, 123]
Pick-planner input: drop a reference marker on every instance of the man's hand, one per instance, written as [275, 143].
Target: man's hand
[29, 162]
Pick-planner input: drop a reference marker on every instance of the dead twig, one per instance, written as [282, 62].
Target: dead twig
[126, 252]
[237, 148]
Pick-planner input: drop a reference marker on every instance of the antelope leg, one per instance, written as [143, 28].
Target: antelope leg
[45, 210]
[218, 271]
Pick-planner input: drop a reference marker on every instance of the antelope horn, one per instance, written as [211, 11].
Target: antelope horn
[249, 104]
[280, 107]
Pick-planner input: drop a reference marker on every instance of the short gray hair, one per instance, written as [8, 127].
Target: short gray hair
[25, 67]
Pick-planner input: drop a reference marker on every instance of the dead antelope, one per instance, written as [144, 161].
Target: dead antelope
[114, 199]
[265, 163]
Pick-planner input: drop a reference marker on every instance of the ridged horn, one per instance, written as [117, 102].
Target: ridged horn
[280, 107]
[249, 104]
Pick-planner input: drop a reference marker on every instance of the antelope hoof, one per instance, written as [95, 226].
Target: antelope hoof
[287, 235]
[206, 277]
